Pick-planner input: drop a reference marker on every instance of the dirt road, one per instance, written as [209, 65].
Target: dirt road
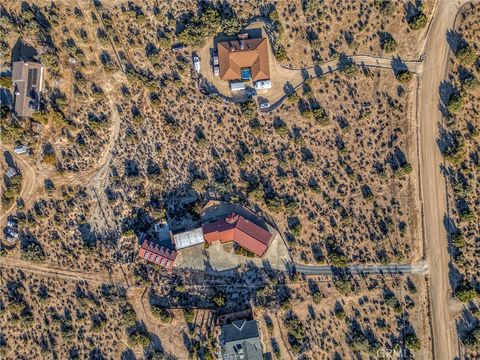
[29, 180]
[433, 187]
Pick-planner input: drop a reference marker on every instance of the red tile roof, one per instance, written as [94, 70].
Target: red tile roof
[158, 254]
[234, 55]
[239, 230]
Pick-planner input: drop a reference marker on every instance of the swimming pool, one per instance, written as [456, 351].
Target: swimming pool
[246, 74]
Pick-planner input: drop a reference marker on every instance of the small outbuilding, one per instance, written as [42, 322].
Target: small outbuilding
[188, 238]
[237, 86]
[263, 85]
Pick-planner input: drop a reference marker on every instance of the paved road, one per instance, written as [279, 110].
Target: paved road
[420, 268]
[433, 189]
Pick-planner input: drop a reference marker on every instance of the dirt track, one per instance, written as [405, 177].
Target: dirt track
[29, 180]
[433, 187]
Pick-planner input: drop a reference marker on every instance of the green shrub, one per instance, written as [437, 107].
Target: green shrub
[470, 83]
[161, 313]
[139, 337]
[466, 55]
[389, 45]
[248, 109]
[458, 240]
[413, 342]
[321, 116]
[404, 76]
[129, 317]
[455, 103]
[232, 25]
[419, 21]
[465, 292]
[280, 52]
[33, 252]
[5, 82]
[403, 170]
[243, 252]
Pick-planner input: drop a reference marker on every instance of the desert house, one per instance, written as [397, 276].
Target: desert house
[244, 231]
[27, 80]
[241, 60]
[241, 340]
[241, 231]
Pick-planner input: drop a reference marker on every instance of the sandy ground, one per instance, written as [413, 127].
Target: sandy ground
[433, 188]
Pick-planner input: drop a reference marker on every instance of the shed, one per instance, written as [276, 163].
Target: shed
[237, 86]
[188, 238]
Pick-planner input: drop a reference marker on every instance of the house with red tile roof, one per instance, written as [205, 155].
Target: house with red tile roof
[158, 254]
[241, 231]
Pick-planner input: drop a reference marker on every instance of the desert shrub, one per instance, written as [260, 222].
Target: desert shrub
[139, 336]
[11, 132]
[455, 103]
[219, 300]
[389, 45]
[296, 333]
[470, 83]
[248, 109]
[472, 340]
[458, 240]
[161, 313]
[33, 252]
[419, 21]
[201, 27]
[321, 116]
[349, 70]
[412, 342]
[386, 7]
[403, 170]
[404, 76]
[465, 292]
[189, 315]
[232, 25]
[244, 252]
[338, 259]
[310, 7]
[466, 55]
[5, 82]
[280, 52]
[129, 317]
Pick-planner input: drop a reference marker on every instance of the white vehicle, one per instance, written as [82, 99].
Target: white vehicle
[11, 223]
[12, 233]
[265, 105]
[215, 59]
[196, 63]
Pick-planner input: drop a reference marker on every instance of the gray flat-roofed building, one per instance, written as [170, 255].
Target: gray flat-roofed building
[27, 79]
[188, 238]
[241, 341]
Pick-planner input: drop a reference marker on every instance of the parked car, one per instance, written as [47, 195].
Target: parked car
[196, 63]
[265, 105]
[215, 59]
[11, 223]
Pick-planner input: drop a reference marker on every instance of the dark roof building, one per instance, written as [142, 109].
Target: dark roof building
[236, 228]
[241, 341]
[244, 59]
[158, 254]
[27, 79]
